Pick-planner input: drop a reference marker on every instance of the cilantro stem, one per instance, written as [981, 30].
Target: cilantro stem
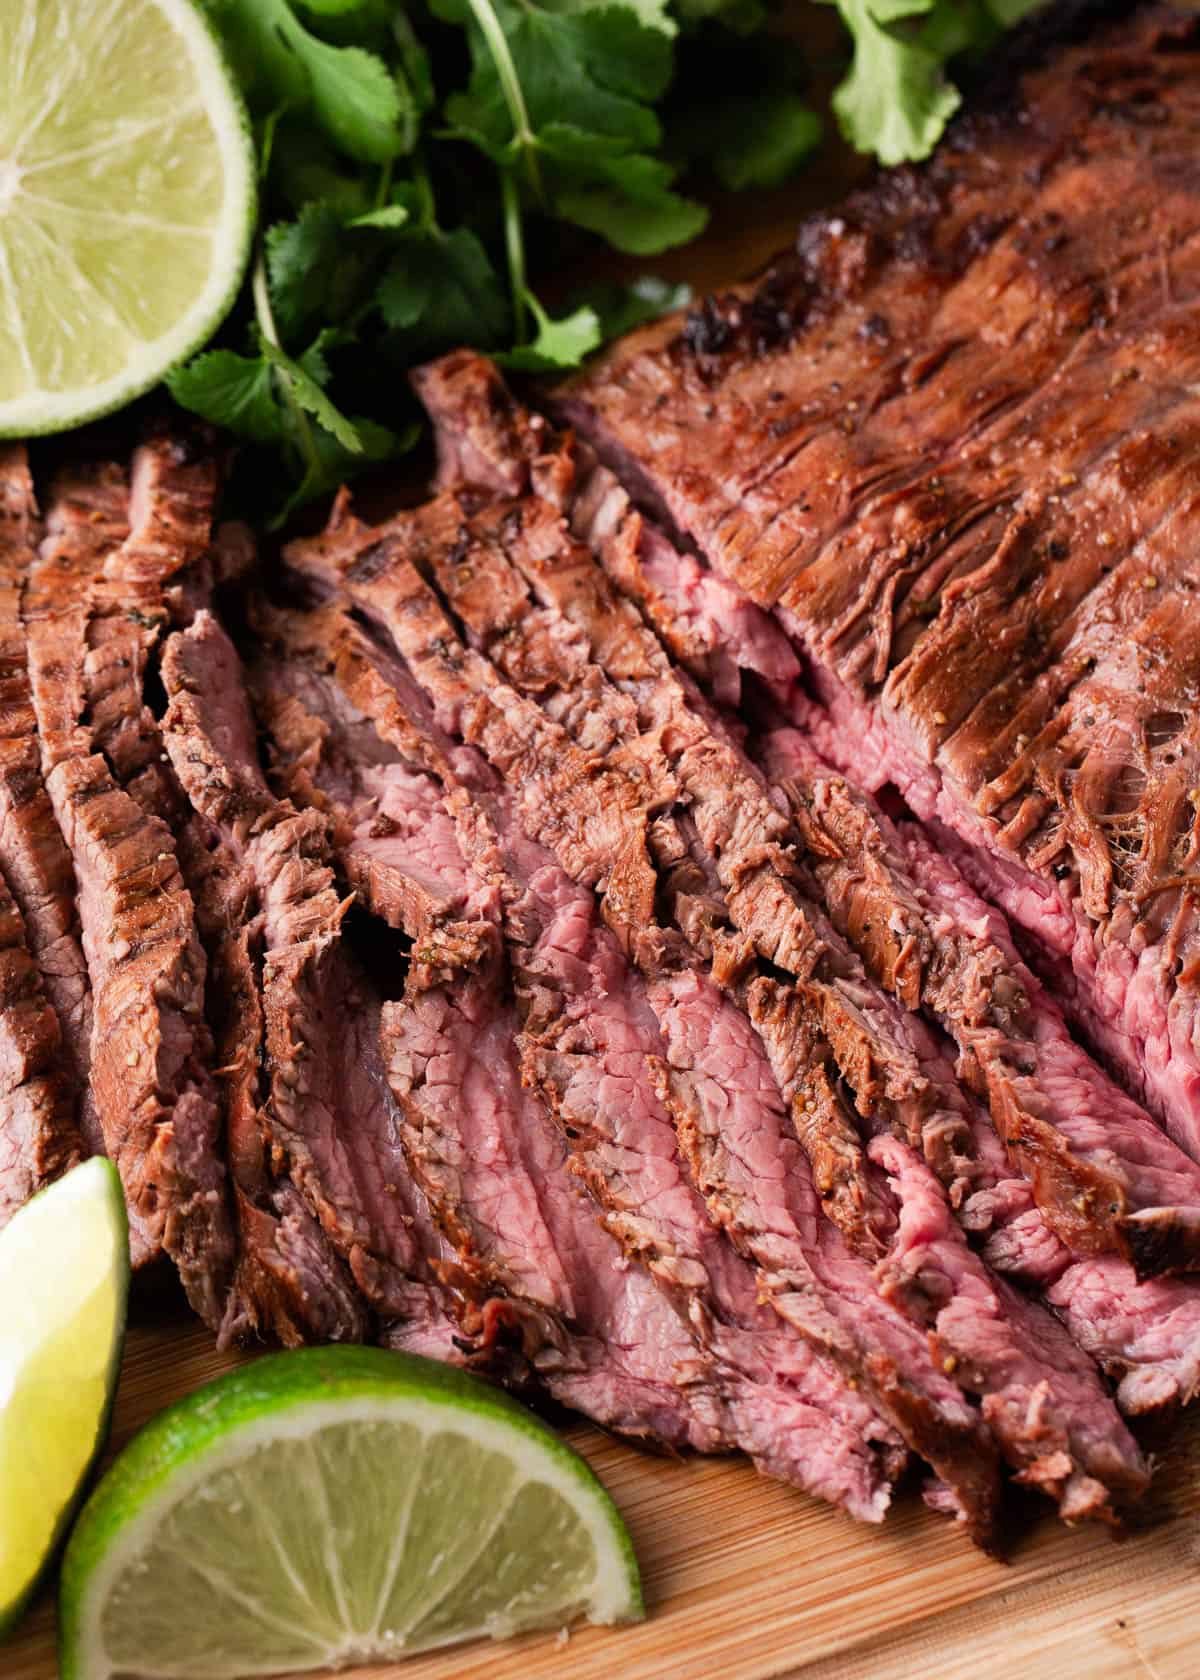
[515, 245]
[424, 186]
[384, 184]
[265, 316]
[490, 28]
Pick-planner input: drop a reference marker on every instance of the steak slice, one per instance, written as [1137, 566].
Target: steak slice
[544, 770]
[288, 1282]
[151, 1049]
[820, 1434]
[485, 592]
[33, 855]
[1103, 1175]
[39, 1095]
[1145, 1336]
[39, 1138]
[326, 1125]
[950, 441]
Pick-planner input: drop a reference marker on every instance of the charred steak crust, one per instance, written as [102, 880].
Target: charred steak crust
[41, 1089]
[33, 856]
[1145, 1336]
[151, 1051]
[949, 442]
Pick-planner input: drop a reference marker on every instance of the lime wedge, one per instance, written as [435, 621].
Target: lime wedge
[334, 1505]
[64, 1277]
[126, 201]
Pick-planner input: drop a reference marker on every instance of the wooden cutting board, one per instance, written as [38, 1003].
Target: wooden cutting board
[745, 1579]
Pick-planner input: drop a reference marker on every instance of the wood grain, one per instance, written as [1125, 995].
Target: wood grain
[746, 1580]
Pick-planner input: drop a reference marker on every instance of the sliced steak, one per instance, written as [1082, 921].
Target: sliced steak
[33, 855]
[39, 1137]
[558, 791]
[151, 1048]
[569, 594]
[1147, 1338]
[289, 1284]
[502, 1187]
[326, 1122]
[1103, 1174]
[42, 1089]
[950, 441]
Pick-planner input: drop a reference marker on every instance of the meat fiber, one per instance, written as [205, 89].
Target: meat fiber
[452, 545]
[456, 381]
[150, 1056]
[1103, 1175]
[493, 1161]
[949, 442]
[325, 1111]
[40, 1097]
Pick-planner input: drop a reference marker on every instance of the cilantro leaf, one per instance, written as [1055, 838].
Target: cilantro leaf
[230, 390]
[601, 65]
[752, 140]
[643, 216]
[559, 345]
[355, 98]
[596, 182]
[441, 289]
[357, 101]
[302, 262]
[895, 102]
[328, 464]
[307, 393]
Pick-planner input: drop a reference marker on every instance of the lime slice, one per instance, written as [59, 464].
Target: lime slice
[64, 1277]
[334, 1505]
[126, 201]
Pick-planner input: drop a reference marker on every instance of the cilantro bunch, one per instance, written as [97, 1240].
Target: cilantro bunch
[428, 170]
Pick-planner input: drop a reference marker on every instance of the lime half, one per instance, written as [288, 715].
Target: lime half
[64, 1276]
[126, 201]
[328, 1506]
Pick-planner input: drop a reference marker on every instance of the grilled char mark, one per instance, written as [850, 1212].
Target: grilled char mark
[1146, 1336]
[39, 1139]
[565, 582]
[42, 1085]
[465, 691]
[35, 860]
[324, 1124]
[151, 1052]
[87, 518]
[584, 1059]
[1103, 1175]
[987, 512]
